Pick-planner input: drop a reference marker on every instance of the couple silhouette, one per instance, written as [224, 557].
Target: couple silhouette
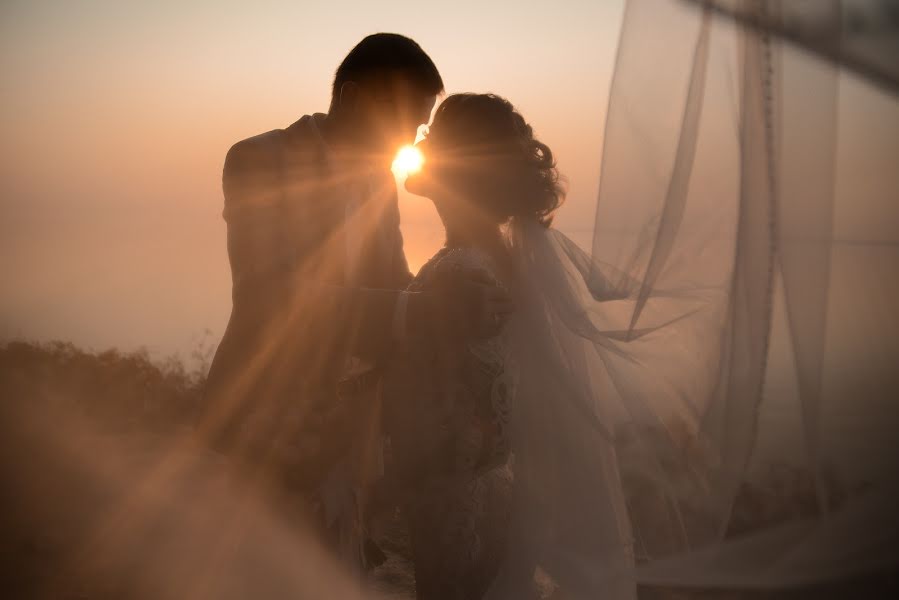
[342, 380]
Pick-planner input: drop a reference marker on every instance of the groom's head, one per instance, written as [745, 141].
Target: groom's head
[383, 90]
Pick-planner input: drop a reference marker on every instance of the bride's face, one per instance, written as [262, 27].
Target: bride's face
[442, 179]
[449, 168]
[423, 181]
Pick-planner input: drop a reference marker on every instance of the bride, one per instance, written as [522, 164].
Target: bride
[505, 471]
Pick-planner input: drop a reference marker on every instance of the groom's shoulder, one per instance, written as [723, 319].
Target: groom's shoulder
[255, 151]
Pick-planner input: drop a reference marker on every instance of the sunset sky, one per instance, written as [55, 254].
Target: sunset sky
[116, 117]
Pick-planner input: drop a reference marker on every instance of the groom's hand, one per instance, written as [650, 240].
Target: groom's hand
[462, 304]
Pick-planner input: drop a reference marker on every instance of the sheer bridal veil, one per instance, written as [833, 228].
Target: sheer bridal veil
[737, 308]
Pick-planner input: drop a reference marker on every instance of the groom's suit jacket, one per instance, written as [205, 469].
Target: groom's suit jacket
[317, 264]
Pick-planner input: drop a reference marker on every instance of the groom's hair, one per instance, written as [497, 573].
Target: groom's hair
[382, 54]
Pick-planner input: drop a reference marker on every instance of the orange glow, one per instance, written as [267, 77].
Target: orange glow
[408, 160]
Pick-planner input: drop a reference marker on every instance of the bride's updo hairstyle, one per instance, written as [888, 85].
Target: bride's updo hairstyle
[483, 148]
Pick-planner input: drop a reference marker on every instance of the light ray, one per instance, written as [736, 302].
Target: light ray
[408, 160]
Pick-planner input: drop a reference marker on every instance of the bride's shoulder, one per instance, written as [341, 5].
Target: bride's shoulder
[470, 258]
[458, 258]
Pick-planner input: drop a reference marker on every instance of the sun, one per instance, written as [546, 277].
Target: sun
[408, 160]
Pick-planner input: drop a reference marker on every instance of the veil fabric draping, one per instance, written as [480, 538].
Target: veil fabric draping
[719, 279]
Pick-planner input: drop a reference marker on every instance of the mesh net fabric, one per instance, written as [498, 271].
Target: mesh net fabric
[730, 296]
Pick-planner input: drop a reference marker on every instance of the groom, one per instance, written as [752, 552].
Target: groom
[318, 267]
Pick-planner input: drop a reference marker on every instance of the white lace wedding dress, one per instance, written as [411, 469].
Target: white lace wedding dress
[446, 418]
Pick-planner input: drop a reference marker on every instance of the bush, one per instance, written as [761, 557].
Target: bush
[118, 391]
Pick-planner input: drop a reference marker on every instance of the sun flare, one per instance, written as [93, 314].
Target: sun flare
[408, 160]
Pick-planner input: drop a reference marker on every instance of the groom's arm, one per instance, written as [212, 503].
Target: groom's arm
[251, 186]
[251, 183]
[364, 316]
[401, 276]
[379, 316]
